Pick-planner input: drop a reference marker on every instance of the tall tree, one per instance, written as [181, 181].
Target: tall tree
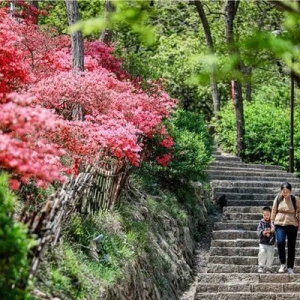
[231, 8]
[292, 11]
[77, 51]
[35, 3]
[76, 37]
[210, 45]
[107, 33]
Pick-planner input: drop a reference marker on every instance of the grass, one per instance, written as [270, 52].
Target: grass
[132, 243]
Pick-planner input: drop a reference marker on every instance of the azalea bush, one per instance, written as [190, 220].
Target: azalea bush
[115, 117]
[51, 113]
[15, 245]
[24, 149]
[13, 68]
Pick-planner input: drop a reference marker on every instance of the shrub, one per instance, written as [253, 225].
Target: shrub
[191, 153]
[75, 270]
[14, 248]
[267, 132]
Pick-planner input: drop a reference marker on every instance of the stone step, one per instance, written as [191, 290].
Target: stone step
[236, 226]
[227, 158]
[248, 277]
[233, 257]
[249, 287]
[251, 190]
[242, 217]
[216, 152]
[248, 196]
[243, 209]
[232, 177]
[240, 243]
[236, 165]
[246, 168]
[234, 260]
[235, 268]
[234, 251]
[246, 296]
[236, 234]
[238, 202]
[233, 221]
[242, 260]
[260, 174]
[249, 183]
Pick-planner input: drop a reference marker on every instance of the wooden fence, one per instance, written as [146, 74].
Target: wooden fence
[95, 189]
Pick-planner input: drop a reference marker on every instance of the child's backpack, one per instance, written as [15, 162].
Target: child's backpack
[280, 198]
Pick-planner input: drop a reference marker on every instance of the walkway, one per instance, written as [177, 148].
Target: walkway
[228, 269]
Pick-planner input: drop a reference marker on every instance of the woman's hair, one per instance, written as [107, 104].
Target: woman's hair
[286, 185]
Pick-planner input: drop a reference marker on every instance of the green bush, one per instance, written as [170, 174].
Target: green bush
[75, 270]
[14, 248]
[68, 273]
[116, 249]
[225, 128]
[267, 132]
[191, 153]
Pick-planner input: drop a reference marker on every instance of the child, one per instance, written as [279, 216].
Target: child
[266, 234]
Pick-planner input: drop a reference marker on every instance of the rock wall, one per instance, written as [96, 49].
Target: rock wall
[166, 269]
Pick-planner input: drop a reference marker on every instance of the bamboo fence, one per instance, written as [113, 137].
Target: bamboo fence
[94, 190]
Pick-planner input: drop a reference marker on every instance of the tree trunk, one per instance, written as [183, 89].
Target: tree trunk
[239, 114]
[34, 3]
[107, 34]
[76, 37]
[248, 87]
[230, 11]
[210, 45]
[77, 51]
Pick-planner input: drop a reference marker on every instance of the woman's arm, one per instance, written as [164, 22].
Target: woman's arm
[275, 210]
[298, 211]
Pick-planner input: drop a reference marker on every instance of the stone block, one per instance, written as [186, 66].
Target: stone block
[267, 287]
[291, 287]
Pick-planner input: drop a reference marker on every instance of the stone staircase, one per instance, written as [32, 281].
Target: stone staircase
[231, 271]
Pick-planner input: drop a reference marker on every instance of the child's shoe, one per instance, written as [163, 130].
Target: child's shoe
[260, 270]
[290, 271]
[281, 269]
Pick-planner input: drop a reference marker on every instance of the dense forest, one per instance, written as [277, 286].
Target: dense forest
[106, 102]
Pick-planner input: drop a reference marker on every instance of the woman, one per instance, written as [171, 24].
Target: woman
[285, 216]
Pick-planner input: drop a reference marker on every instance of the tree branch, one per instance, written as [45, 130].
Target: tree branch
[204, 22]
[236, 6]
[282, 6]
